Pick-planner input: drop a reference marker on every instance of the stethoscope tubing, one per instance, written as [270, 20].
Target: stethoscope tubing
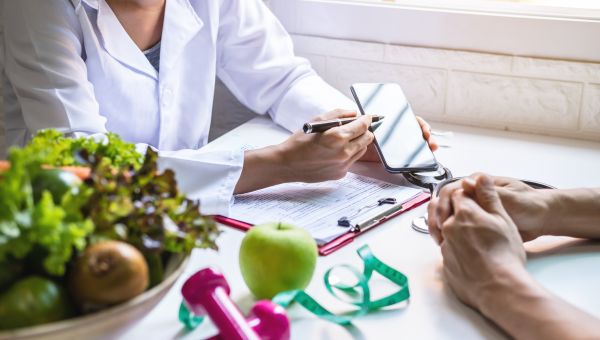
[532, 184]
[419, 224]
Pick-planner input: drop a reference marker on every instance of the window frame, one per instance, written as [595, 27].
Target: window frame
[544, 32]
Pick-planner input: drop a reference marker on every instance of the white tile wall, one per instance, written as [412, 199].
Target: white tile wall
[557, 69]
[453, 60]
[554, 97]
[510, 101]
[590, 113]
[424, 86]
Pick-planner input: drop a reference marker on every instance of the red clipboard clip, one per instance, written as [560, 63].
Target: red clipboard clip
[342, 240]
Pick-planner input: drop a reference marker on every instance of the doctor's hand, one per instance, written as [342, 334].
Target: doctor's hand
[481, 245]
[528, 208]
[325, 156]
[372, 156]
[314, 157]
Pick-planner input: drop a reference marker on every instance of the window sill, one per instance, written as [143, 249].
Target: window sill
[544, 35]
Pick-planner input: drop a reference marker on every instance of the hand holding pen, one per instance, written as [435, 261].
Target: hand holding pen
[322, 126]
[308, 157]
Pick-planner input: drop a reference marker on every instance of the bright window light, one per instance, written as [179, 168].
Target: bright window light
[583, 4]
[555, 29]
[558, 8]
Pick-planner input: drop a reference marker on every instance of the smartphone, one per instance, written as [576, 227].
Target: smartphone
[398, 137]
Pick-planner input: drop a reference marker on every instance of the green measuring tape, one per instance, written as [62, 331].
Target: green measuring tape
[358, 294]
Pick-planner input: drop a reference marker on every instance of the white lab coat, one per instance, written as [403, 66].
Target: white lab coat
[70, 65]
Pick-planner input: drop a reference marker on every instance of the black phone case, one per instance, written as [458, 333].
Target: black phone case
[388, 168]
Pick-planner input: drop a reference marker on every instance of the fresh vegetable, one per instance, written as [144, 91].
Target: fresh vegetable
[51, 147]
[32, 301]
[144, 208]
[52, 223]
[4, 165]
[11, 272]
[25, 224]
[108, 272]
[56, 181]
[136, 206]
[155, 267]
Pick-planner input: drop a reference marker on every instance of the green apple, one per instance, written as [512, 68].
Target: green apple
[277, 257]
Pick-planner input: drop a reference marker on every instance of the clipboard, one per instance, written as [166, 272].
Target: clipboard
[346, 238]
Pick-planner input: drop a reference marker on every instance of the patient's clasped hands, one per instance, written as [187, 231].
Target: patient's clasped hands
[480, 242]
[480, 223]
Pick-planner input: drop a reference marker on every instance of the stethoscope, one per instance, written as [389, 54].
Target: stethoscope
[436, 180]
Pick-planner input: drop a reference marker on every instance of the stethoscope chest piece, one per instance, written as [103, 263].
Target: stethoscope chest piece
[420, 224]
[429, 181]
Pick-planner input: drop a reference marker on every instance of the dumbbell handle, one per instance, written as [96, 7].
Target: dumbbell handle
[226, 316]
[207, 293]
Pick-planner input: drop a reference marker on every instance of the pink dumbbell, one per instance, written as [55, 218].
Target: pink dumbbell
[206, 293]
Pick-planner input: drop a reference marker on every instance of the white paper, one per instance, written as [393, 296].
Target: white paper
[317, 207]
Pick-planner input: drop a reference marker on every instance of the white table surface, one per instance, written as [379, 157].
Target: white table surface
[569, 268]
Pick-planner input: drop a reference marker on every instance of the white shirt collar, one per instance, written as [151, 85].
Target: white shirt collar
[180, 26]
[92, 3]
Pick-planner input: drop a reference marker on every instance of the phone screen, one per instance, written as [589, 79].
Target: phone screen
[398, 136]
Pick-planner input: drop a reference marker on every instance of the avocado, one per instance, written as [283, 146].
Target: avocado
[32, 301]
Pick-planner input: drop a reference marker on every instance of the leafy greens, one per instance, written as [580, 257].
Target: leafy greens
[125, 198]
[25, 225]
[144, 208]
[53, 148]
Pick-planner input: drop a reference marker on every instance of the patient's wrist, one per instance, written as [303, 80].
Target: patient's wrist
[561, 205]
[521, 306]
[574, 212]
[552, 219]
[506, 291]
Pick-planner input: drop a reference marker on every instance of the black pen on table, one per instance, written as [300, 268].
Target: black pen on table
[325, 125]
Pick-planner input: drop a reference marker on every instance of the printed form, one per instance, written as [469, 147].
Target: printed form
[318, 206]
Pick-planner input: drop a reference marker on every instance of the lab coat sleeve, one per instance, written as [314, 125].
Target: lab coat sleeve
[256, 62]
[44, 64]
[212, 183]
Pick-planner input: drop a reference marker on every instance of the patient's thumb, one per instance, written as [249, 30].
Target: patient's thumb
[487, 196]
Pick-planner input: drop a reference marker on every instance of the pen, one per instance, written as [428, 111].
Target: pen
[381, 217]
[328, 124]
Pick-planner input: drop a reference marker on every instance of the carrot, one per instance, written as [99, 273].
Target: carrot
[79, 171]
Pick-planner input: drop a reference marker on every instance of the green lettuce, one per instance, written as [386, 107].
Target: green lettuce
[52, 148]
[24, 225]
[125, 198]
[143, 207]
